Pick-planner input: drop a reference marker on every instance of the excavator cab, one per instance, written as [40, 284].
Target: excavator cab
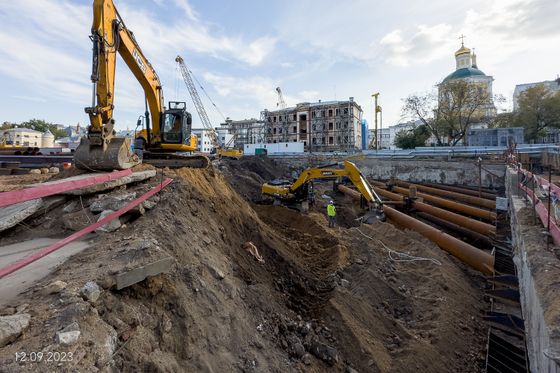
[176, 124]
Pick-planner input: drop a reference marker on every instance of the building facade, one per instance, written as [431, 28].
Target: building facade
[205, 145]
[552, 85]
[495, 136]
[28, 137]
[321, 126]
[246, 131]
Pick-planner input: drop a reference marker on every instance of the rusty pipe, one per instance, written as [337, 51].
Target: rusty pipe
[481, 202]
[475, 238]
[468, 254]
[472, 224]
[470, 192]
[450, 205]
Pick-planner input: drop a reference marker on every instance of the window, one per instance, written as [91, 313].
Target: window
[331, 140]
[314, 141]
[322, 113]
[274, 131]
[330, 126]
[274, 119]
[286, 145]
[346, 125]
[26, 143]
[330, 112]
[338, 140]
[279, 130]
[294, 117]
[295, 140]
[345, 110]
[312, 114]
[294, 129]
[336, 112]
[323, 140]
[27, 136]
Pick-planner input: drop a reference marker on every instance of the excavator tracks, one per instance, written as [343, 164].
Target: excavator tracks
[162, 160]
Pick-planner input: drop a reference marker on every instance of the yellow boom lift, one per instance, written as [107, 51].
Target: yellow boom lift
[170, 129]
[300, 193]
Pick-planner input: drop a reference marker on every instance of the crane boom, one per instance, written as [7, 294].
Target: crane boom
[198, 103]
[281, 103]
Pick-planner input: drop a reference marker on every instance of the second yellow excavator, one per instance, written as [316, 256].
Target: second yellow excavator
[168, 133]
[300, 193]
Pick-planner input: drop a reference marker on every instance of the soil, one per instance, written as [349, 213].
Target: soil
[325, 299]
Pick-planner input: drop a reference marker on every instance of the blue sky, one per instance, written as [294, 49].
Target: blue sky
[241, 50]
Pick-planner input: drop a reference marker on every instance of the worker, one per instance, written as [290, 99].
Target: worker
[331, 212]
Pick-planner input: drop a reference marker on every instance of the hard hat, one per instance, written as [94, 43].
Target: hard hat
[331, 202]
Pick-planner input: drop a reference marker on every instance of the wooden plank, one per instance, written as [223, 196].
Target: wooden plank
[57, 245]
[48, 189]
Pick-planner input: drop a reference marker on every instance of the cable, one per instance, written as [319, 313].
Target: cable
[405, 257]
[206, 94]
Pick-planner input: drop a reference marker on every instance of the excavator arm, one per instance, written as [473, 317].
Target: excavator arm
[289, 192]
[101, 149]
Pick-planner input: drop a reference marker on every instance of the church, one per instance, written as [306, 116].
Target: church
[467, 69]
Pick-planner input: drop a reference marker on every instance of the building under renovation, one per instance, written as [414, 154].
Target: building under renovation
[321, 126]
[246, 131]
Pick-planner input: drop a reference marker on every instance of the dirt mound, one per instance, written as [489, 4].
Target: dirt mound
[323, 298]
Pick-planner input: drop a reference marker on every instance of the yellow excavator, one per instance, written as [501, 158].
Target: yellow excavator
[170, 129]
[300, 193]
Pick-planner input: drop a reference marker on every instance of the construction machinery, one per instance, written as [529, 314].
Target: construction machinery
[281, 103]
[221, 151]
[300, 193]
[170, 129]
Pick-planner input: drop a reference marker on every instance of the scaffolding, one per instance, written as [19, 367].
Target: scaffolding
[247, 131]
[321, 126]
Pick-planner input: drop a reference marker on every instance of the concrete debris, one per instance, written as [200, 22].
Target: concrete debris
[35, 171]
[12, 326]
[252, 249]
[111, 226]
[134, 178]
[22, 308]
[216, 272]
[151, 202]
[8, 311]
[54, 287]
[78, 220]
[90, 291]
[71, 207]
[349, 369]
[49, 203]
[14, 214]
[306, 359]
[44, 170]
[54, 170]
[111, 202]
[344, 283]
[67, 338]
[128, 278]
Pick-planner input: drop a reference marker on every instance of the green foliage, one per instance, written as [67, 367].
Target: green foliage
[538, 109]
[413, 138]
[43, 126]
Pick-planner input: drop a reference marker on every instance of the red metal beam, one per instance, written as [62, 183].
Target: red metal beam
[543, 214]
[57, 245]
[48, 189]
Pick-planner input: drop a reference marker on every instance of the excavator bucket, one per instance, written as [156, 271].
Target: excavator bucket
[116, 155]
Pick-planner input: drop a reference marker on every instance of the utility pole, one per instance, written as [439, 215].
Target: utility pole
[376, 110]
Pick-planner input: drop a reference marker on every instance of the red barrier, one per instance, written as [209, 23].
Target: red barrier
[543, 214]
[57, 245]
[49, 189]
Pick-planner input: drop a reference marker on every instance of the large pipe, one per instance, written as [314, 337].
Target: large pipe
[482, 202]
[475, 238]
[474, 225]
[470, 192]
[450, 205]
[468, 254]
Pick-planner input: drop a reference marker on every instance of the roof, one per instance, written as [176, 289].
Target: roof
[462, 50]
[20, 129]
[465, 72]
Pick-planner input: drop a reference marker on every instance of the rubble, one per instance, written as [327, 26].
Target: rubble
[54, 287]
[90, 291]
[12, 326]
[110, 226]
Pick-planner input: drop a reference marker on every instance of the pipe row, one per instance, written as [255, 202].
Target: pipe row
[448, 204]
[481, 202]
[470, 192]
[468, 254]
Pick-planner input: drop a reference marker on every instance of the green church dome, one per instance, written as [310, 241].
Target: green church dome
[465, 72]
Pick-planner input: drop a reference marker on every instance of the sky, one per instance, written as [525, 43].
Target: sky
[241, 50]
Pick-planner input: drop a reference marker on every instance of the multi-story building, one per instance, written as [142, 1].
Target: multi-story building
[552, 85]
[321, 126]
[28, 137]
[205, 141]
[495, 136]
[246, 131]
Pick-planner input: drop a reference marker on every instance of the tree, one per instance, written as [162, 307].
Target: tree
[410, 139]
[502, 120]
[43, 126]
[449, 114]
[538, 109]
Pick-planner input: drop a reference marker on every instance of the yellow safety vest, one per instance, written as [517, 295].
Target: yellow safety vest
[331, 210]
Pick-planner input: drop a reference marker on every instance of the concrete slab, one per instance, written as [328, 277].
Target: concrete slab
[14, 284]
[128, 278]
[14, 214]
[133, 178]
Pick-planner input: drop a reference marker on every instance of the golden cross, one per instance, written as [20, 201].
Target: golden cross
[462, 37]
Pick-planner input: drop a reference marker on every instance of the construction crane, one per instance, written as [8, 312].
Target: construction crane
[281, 103]
[221, 151]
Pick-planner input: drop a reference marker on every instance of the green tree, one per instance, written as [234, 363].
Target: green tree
[410, 139]
[538, 109]
[43, 126]
[449, 113]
